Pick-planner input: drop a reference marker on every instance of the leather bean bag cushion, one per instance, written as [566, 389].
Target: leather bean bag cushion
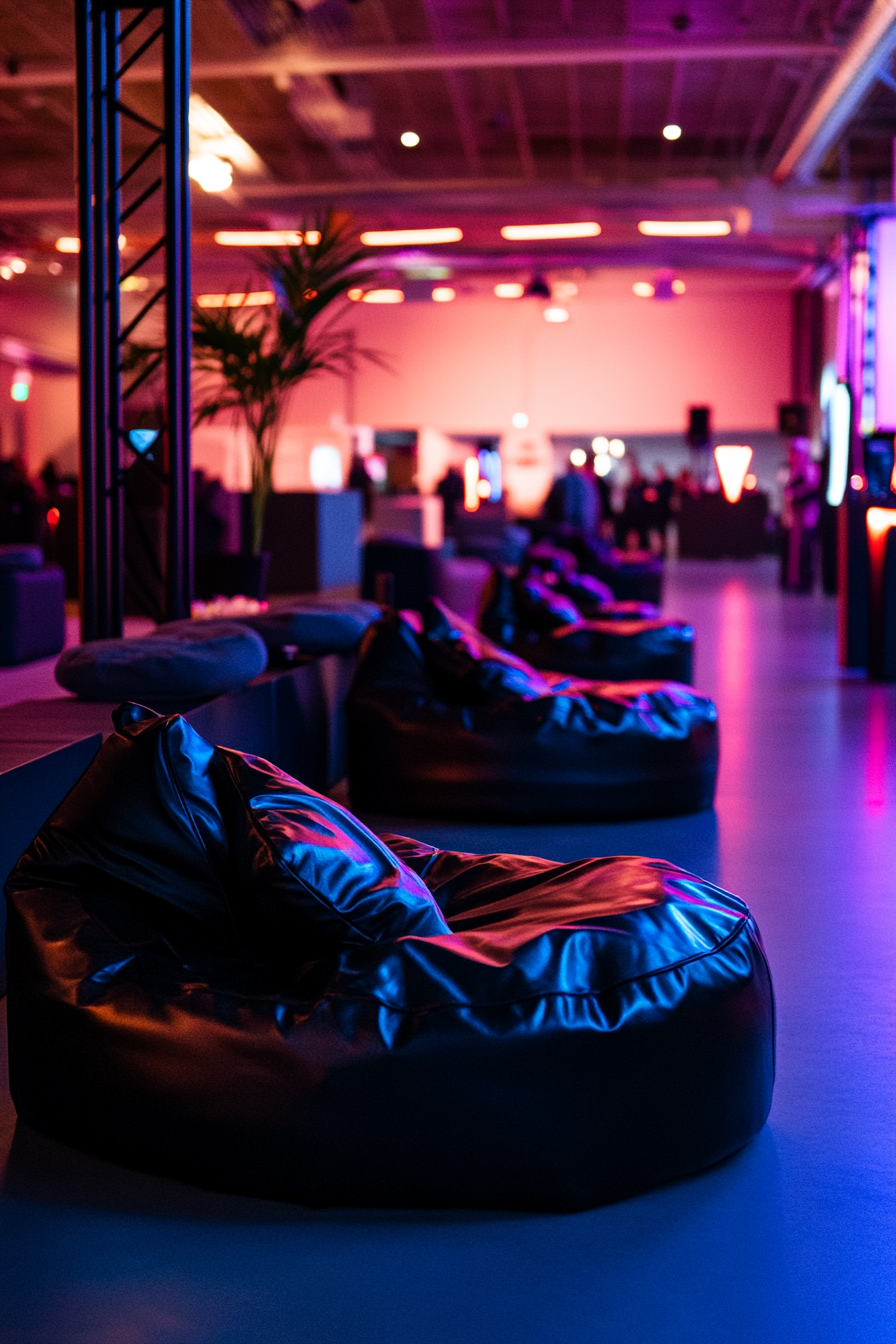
[313, 628]
[633, 577]
[178, 662]
[445, 723]
[220, 976]
[543, 624]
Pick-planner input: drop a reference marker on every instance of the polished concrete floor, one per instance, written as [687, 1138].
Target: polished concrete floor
[792, 1240]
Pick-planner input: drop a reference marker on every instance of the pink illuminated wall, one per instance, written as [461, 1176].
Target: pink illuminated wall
[621, 363]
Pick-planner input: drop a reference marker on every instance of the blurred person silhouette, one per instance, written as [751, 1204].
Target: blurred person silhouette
[799, 518]
[574, 500]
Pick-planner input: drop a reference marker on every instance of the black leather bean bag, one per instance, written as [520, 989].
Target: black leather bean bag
[543, 624]
[445, 723]
[218, 975]
[178, 662]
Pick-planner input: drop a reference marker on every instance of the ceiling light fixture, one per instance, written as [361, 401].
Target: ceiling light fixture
[519, 420]
[678, 287]
[18, 265]
[6, 272]
[556, 315]
[258, 238]
[410, 139]
[672, 132]
[602, 466]
[383, 296]
[601, 444]
[578, 457]
[409, 237]
[257, 298]
[68, 244]
[531, 233]
[616, 448]
[509, 290]
[210, 172]
[443, 294]
[643, 289]
[684, 228]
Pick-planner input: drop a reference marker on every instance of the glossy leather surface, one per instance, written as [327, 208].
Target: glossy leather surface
[435, 729]
[577, 1033]
[542, 623]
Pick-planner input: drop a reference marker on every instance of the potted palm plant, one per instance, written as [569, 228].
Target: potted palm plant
[248, 362]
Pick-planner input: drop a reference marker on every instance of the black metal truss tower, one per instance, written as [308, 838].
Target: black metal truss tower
[132, 175]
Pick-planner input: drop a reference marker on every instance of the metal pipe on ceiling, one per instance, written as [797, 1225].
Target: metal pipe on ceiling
[468, 56]
[872, 45]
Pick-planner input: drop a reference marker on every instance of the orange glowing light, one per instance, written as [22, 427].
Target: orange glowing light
[258, 238]
[409, 237]
[684, 228]
[732, 461]
[471, 484]
[258, 298]
[879, 522]
[530, 233]
[750, 481]
[383, 296]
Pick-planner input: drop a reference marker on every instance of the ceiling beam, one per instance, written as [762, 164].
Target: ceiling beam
[466, 56]
[841, 94]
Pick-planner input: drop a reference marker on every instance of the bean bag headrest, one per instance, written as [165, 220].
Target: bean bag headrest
[222, 851]
[466, 661]
[181, 661]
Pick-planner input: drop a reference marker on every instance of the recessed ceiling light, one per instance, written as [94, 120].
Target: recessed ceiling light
[643, 289]
[529, 233]
[68, 244]
[601, 444]
[383, 296]
[509, 291]
[556, 315]
[6, 272]
[258, 238]
[443, 294]
[684, 228]
[18, 265]
[672, 132]
[409, 237]
[519, 420]
[678, 287]
[409, 139]
[616, 448]
[578, 457]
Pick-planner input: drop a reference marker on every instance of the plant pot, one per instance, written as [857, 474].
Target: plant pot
[232, 576]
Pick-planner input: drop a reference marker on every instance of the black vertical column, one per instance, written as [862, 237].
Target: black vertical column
[149, 193]
[179, 569]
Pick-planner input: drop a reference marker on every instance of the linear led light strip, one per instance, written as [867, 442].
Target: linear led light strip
[410, 237]
[266, 237]
[684, 228]
[530, 233]
[258, 298]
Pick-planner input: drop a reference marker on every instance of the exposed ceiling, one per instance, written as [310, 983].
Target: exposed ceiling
[524, 108]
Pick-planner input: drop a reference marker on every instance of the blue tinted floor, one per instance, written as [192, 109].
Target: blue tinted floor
[792, 1240]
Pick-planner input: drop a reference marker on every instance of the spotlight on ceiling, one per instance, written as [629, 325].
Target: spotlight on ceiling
[509, 290]
[556, 315]
[519, 420]
[603, 466]
[538, 288]
[671, 132]
[643, 289]
[410, 139]
[684, 228]
[578, 457]
[68, 244]
[443, 294]
[616, 448]
[531, 233]
[601, 444]
[409, 237]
